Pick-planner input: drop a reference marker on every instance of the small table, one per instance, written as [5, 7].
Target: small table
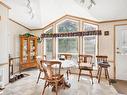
[105, 66]
[66, 64]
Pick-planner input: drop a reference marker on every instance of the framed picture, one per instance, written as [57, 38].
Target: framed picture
[106, 33]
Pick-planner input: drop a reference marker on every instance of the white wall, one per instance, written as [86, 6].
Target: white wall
[3, 35]
[14, 30]
[4, 44]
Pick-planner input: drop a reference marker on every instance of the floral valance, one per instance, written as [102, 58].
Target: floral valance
[70, 34]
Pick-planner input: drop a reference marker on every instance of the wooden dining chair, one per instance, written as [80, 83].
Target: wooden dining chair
[52, 77]
[39, 58]
[85, 63]
[67, 57]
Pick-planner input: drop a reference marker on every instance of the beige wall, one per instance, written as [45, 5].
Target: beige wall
[14, 30]
[3, 34]
[106, 43]
[3, 45]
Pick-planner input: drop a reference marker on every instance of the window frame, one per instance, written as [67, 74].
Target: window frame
[77, 38]
[45, 41]
[97, 42]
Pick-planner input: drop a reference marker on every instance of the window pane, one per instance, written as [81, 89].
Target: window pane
[68, 26]
[49, 48]
[49, 31]
[89, 27]
[67, 45]
[90, 45]
[90, 42]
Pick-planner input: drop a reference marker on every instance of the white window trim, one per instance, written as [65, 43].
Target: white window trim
[95, 67]
[64, 21]
[46, 39]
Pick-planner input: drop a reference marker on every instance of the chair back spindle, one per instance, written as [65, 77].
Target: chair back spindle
[101, 58]
[66, 56]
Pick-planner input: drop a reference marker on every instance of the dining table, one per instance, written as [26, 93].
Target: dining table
[65, 65]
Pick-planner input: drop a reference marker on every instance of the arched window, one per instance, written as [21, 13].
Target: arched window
[67, 44]
[68, 26]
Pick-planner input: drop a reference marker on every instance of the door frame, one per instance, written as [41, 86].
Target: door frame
[115, 47]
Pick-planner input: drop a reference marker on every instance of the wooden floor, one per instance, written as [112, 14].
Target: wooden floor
[28, 86]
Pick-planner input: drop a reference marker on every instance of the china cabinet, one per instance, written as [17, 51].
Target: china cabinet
[28, 51]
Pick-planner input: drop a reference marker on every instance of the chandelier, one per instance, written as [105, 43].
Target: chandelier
[30, 10]
[88, 3]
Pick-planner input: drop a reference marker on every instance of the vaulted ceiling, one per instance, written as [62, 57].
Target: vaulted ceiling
[47, 11]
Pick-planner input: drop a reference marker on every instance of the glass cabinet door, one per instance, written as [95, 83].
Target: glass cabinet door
[25, 51]
[32, 50]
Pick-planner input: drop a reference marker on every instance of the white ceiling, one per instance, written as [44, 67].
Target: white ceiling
[109, 10]
[47, 11]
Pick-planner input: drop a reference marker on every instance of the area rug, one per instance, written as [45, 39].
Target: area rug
[121, 87]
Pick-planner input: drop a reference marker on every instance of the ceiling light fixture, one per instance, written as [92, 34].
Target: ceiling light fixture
[30, 11]
[89, 3]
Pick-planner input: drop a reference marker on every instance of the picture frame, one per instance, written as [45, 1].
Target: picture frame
[106, 33]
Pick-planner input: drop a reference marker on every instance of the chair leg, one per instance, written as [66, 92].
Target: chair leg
[44, 87]
[91, 76]
[108, 75]
[67, 74]
[38, 77]
[79, 74]
[56, 88]
[64, 83]
[69, 71]
[100, 70]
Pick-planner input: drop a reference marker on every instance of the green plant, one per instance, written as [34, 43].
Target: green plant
[39, 40]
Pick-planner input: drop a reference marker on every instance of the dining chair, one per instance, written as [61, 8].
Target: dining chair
[67, 57]
[102, 64]
[52, 75]
[85, 63]
[39, 58]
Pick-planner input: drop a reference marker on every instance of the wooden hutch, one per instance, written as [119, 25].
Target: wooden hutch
[28, 51]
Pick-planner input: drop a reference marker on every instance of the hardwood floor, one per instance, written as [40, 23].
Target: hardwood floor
[28, 86]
